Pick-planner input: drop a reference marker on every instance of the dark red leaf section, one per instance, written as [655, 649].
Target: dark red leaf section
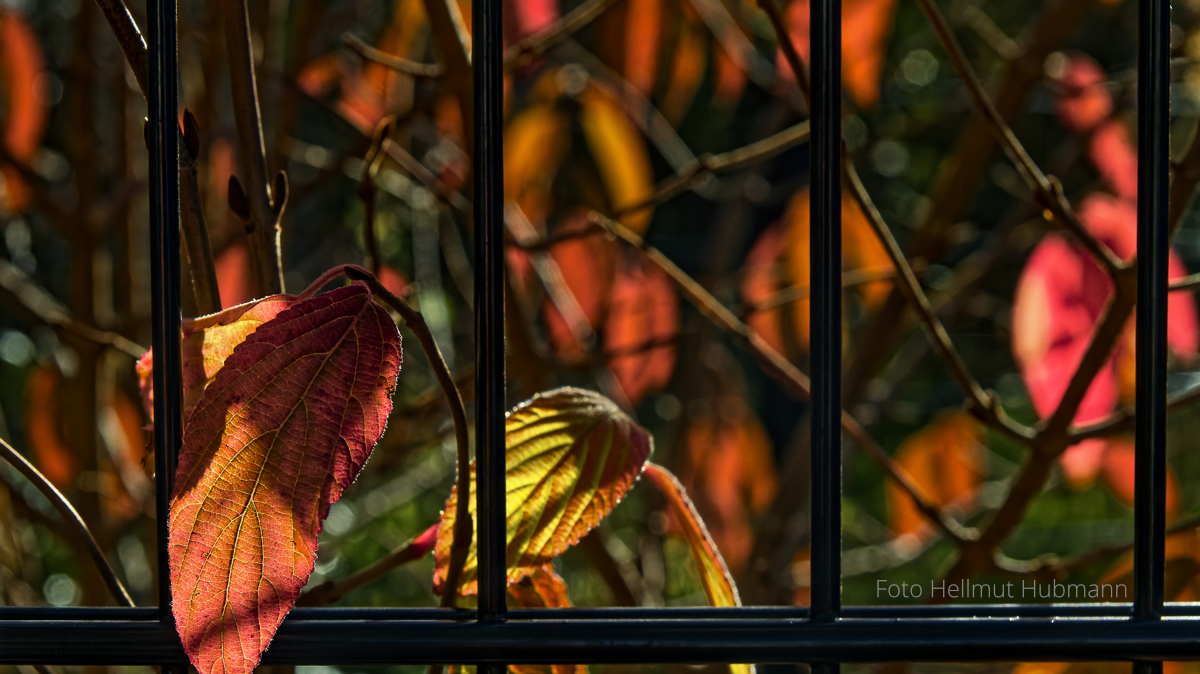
[282, 430]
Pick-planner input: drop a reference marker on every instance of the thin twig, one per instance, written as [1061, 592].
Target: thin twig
[535, 45]
[463, 527]
[986, 407]
[265, 208]
[330, 591]
[130, 38]
[1048, 192]
[789, 50]
[1185, 283]
[366, 191]
[727, 161]
[192, 223]
[850, 279]
[779, 368]
[383, 58]
[47, 309]
[71, 517]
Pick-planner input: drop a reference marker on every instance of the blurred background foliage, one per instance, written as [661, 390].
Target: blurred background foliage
[628, 101]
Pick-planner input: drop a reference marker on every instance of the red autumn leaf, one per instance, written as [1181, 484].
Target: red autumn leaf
[233, 275]
[23, 109]
[1060, 296]
[586, 266]
[42, 429]
[1112, 152]
[572, 456]
[643, 322]
[282, 430]
[731, 474]
[206, 343]
[946, 462]
[760, 282]
[866, 25]
[394, 281]
[530, 16]
[1083, 96]
[718, 584]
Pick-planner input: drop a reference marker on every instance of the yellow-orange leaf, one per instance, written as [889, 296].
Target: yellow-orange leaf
[714, 575]
[572, 455]
[620, 154]
[861, 251]
[945, 460]
[542, 589]
[534, 144]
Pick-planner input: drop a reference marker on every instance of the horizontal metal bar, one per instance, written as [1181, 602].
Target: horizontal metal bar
[334, 642]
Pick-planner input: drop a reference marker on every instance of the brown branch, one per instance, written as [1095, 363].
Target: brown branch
[265, 209]
[366, 191]
[986, 407]
[1122, 420]
[45, 308]
[196, 242]
[71, 517]
[535, 45]
[1185, 283]
[330, 591]
[789, 49]
[727, 161]
[394, 62]
[130, 38]
[463, 527]
[417, 170]
[850, 279]
[1047, 191]
[779, 368]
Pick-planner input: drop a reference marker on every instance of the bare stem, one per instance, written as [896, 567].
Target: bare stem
[535, 45]
[196, 241]
[984, 406]
[463, 527]
[129, 37]
[396, 63]
[45, 308]
[366, 191]
[71, 517]
[330, 591]
[265, 209]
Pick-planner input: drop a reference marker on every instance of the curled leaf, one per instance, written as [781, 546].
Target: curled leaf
[714, 575]
[572, 456]
[282, 430]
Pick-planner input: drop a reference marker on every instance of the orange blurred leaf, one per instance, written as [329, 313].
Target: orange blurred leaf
[571, 456]
[233, 274]
[946, 461]
[1116, 469]
[620, 155]
[23, 108]
[714, 575]
[642, 324]
[866, 25]
[586, 265]
[42, 427]
[762, 278]
[535, 142]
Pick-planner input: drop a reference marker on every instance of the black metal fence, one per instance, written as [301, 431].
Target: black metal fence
[1145, 632]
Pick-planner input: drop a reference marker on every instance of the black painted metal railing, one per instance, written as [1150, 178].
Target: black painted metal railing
[1145, 632]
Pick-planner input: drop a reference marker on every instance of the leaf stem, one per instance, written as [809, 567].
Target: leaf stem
[71, 517]
[463, 525]
[129, 37]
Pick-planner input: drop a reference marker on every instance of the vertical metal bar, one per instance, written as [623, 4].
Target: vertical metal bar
[826, 316]
[488, 183]
[164, 271]
[1150, 472]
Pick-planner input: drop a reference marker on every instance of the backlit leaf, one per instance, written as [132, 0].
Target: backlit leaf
[643, 30]
[946, 461]
[714, 575]
[761, 280]
[586, 265]
[1112, 152]
[643, 322]
[282, 430]
[1083, 96]
[207, 342]
[572, 456]
[535, 142]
